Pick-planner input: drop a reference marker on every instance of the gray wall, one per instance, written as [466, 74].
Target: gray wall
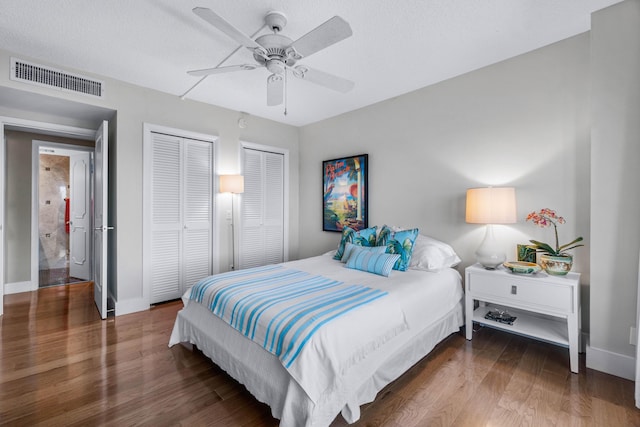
[17, 250]
[615, 198]
[134, 106]
[523, 122]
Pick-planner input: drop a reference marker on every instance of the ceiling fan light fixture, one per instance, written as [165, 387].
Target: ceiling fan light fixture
[275, 66]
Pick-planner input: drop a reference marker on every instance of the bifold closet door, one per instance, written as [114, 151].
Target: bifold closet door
[262, 209]
[181, 215]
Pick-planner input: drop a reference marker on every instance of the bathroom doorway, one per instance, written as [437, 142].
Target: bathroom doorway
[62, 193]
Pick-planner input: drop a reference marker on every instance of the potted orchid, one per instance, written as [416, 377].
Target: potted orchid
[553, 259]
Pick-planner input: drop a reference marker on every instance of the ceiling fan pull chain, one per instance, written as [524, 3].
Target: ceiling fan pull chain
[285, 92]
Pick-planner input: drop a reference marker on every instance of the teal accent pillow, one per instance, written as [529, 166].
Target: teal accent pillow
[399, 242]
[364, 237]
[385, 235]
[350, 248]
[371, 262]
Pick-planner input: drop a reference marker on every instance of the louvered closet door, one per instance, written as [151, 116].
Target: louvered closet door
[274, 208]
[166, 236]
[262, 209]
[197, 211]
[181, 243]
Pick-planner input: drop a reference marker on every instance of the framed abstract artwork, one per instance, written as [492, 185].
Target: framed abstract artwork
[344, 193]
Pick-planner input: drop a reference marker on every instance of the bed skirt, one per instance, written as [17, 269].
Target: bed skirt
[268, 381]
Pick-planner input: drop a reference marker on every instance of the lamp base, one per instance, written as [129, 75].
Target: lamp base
[489, 254]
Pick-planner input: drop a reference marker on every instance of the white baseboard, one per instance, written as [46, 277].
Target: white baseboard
[17, 287]
[616, 364]
[131, 306]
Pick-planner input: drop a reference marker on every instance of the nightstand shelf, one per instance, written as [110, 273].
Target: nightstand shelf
[547, 307]
[549, 329]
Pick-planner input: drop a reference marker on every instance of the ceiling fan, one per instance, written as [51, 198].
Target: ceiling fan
[278, 53]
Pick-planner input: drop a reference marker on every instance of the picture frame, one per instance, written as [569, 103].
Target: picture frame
[345, 193]
[526, 253]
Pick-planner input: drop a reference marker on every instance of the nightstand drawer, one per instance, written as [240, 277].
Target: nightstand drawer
[522, 292]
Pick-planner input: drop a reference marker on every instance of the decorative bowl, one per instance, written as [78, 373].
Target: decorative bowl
[521, 267]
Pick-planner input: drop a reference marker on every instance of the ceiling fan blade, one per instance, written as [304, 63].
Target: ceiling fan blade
[332, 31]
[323, 79]
[220, 70]
[275, 89]
[221, 24]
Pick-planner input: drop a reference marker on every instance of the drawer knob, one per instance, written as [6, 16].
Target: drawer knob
[514, 290]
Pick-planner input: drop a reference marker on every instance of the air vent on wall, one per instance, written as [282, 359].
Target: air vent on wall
[42, 75]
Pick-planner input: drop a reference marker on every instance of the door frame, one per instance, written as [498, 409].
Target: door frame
[36, 144]
[26, 125]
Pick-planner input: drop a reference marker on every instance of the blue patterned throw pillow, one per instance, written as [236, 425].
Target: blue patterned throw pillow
[350, 248]
[371, 262]
[364, 237]
[398, 242]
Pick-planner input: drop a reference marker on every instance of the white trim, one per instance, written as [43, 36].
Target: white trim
[62, 149]
[616, 364]
[18, 287]
[285, 153]
[147, 139]
[147, 128]
[131, 305]
[48, 128]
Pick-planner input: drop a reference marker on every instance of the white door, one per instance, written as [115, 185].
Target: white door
[79, 216]
[100, 219]
[197, 211]
[166, 217]
[262, 209]
[180, 215]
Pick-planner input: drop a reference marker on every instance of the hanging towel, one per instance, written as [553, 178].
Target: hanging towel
[66, 215]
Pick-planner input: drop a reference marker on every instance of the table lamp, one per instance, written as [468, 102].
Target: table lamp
[491, 205]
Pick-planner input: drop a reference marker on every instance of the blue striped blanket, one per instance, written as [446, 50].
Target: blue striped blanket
[279, 308]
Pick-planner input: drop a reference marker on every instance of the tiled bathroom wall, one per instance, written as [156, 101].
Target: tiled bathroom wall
[54, 240]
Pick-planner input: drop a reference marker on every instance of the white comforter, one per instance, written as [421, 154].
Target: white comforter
[334, 371]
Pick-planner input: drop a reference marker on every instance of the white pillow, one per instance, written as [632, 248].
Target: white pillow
[431, 255]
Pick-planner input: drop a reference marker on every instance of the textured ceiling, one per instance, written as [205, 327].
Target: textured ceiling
[397, 46]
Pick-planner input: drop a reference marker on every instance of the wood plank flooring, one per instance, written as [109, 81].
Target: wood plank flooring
[60, 365]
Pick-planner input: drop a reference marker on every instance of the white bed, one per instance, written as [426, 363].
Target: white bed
[430, 307]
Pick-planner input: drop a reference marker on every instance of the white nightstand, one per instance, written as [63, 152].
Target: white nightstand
[547, 307]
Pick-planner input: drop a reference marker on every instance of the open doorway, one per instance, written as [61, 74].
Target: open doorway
[62, 182]
[71, 120]
[21, 241]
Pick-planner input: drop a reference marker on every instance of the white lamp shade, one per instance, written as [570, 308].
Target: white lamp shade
[232, 184]
[491, 205]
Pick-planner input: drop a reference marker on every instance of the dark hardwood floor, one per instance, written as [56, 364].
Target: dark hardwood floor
[60, 365]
